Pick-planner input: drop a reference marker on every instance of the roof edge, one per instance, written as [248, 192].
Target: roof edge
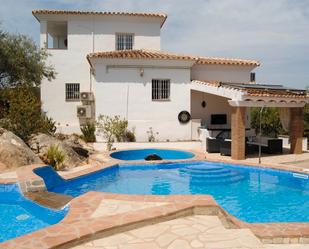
[158, 54]
[106, 13]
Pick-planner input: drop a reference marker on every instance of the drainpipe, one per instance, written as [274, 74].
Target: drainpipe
[90, 71]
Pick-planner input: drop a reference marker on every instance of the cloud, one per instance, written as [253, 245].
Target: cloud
[274, 32]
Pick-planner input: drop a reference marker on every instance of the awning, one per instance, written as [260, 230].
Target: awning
[253, 94]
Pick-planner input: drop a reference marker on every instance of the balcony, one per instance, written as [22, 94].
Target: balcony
[57, 35]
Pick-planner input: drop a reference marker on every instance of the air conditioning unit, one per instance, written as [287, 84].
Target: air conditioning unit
[84, 111]
[86, 96]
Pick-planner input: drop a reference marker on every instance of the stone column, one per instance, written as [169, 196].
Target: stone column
[238, 126]
[296, 130]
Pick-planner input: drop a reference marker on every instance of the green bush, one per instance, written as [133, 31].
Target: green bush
[270, 121]
[23, 115]
[88, 131]
[48, 125]
[22, 68]
[55, 157]
[114, 129]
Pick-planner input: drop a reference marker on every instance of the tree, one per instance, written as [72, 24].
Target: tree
[22, 67]
[23, 116]
[22, 62]
[270, 121]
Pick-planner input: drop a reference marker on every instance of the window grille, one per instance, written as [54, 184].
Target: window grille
[124, 41]
[160, 89]
[252, 77]
[72, 92]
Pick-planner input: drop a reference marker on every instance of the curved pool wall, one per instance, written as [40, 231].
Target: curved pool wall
[20, 216]
[140, 154]
[251, 194]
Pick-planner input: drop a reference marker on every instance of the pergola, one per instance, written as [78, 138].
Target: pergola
[243, 95]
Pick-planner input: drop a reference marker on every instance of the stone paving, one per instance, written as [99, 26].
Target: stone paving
[198, 231]
[112, 207]
[286, 160]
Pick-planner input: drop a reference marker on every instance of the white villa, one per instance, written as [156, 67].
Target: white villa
[111, 63]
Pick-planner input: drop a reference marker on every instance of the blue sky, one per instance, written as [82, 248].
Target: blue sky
[274, 32]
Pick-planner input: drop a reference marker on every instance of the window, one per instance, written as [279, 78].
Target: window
[124, 41]
[160, 89]
[252, 77]
[72, 92]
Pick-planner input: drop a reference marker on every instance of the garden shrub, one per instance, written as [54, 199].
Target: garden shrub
[23, 115]
[114, 129]
[270, 122]
[88, 131]
[55, 157]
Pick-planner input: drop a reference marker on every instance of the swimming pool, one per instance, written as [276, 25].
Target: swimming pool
[251, 194]
[20, 216]
[140, 154]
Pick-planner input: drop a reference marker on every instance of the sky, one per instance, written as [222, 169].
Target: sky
[276, 32]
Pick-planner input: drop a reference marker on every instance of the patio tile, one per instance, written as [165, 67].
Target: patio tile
[179, 243]
[165, 239]
[150, 231]
[113, 240]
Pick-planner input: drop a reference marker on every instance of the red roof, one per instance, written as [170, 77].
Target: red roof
[161, 55]
[101, 13]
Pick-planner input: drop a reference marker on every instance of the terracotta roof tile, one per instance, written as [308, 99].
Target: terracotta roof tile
[224, 61]
[275, 93]
[153, 54]
[104, 13]
[257, 92]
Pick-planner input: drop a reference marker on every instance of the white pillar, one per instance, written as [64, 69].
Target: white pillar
[43, 34]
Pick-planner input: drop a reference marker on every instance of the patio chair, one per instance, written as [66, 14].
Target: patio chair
[213, 145]
[225, 148]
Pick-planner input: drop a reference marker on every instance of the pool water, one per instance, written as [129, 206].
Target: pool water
[251, 194]
[19, 216]
[140, 154]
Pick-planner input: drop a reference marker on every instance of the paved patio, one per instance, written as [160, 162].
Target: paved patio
[197, 231]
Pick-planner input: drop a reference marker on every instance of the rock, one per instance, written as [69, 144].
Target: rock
[14, 152]
[75, 141]
[76, 155]
[153, 157]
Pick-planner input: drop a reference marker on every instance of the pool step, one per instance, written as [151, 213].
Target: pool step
[202, 177]
[49, 199]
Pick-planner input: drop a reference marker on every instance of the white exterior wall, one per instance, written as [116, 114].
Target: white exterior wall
[224, 73]
[214, 105]
[86, 34]
[122, 91]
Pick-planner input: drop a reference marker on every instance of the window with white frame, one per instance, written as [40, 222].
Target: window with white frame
[124, 41]
[161, 89]
[72, 92]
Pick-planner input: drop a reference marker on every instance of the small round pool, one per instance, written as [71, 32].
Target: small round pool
[141, 154]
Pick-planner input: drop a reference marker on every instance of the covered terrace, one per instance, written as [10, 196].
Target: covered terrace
[239, 97]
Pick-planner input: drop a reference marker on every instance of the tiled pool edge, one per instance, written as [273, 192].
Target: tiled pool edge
[78, 227]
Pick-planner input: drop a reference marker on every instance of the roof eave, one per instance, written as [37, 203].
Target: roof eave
[162, 16]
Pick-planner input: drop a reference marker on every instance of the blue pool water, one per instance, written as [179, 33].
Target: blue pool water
[140, 154]
[251, 194]
[19, 216]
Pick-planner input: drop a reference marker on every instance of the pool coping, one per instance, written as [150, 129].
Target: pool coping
[77, 226]
[195, 153]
